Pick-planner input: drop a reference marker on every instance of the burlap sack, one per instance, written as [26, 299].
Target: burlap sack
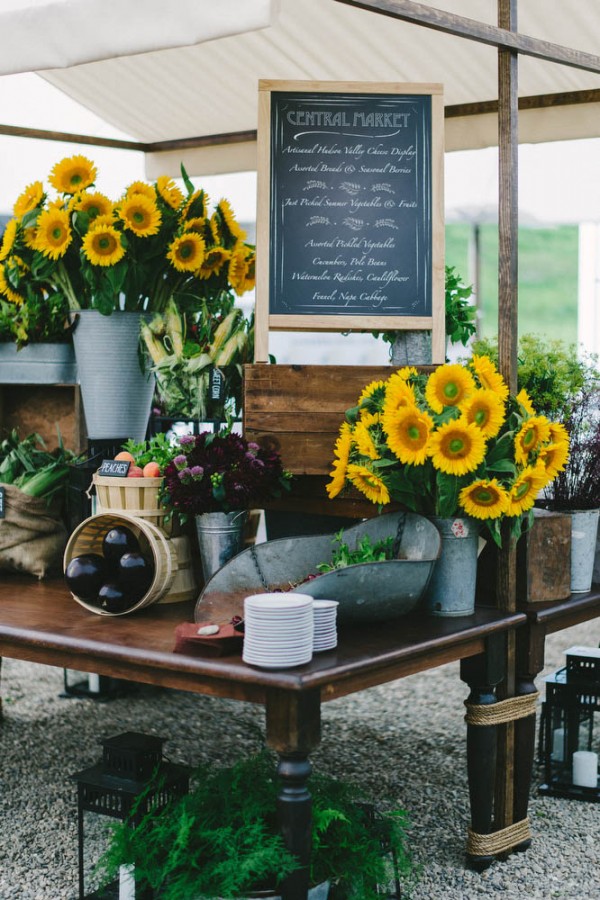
[32, 535]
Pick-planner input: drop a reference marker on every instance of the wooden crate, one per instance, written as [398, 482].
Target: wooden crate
[41, 408]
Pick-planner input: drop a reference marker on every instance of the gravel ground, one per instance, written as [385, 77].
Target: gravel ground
[404, 742]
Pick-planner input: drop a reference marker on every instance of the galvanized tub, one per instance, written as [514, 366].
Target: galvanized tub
[368, 592]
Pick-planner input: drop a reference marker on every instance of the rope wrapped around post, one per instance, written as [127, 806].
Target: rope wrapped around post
[498, 841]
[503, 711]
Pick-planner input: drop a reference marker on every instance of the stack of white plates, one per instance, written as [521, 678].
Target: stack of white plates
[325, 633]
[278, 630]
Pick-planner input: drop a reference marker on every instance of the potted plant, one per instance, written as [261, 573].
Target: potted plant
[221, 839]
[453, 446]
[217, 478]
[113, 262]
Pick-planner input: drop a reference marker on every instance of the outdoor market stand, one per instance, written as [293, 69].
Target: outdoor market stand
[94, 649]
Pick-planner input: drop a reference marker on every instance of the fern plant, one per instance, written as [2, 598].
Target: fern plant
[221, 839]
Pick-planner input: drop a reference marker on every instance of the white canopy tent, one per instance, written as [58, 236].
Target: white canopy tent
[196, 101]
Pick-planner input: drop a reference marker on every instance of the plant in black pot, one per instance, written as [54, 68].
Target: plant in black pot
[221, 840]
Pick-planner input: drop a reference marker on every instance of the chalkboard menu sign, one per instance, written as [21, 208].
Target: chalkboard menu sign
[352, 191]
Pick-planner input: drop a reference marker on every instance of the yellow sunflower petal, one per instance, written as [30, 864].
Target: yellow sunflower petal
[526, 488]
[102, 246]
[28, 199]
[457, 447]
[554, 457]
[485, 409]
[488, 376]
[94, 204]
[241, 271]
[214, 260]
[73, 174]
[449, 385]
[140, 215]
[372, 396]
[7, 290]
[398, 393]
[9, 238]
[484, 499]
[408, 431]
[338, 480]
[141, 187]
[53, 234]
[524, 399]
[368, 483]
[364, 441]
[170, 193]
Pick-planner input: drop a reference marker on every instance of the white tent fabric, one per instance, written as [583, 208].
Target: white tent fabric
[211, 88]
[52, 34]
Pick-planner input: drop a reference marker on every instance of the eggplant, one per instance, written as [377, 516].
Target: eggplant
[136, 573]
[116, 542]
[113, 599]
[85, 575]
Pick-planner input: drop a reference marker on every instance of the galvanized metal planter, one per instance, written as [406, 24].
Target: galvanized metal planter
[368, 592]
[38, 364]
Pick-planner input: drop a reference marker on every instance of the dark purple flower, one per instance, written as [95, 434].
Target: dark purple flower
[180, 461]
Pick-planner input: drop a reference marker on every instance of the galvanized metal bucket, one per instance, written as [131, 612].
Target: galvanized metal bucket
[451, 591]
[584, 529]
[220, 538]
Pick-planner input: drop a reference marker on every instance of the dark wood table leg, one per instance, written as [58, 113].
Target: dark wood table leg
[482, 673]
[293, 730]
[529, 663]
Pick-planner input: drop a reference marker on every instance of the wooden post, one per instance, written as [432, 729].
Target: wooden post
[508, 146]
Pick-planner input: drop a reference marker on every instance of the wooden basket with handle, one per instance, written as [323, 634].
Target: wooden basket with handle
[139, 497]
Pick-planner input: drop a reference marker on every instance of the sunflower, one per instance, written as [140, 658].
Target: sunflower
[6, 289]
[94, 204]
[186, 252]
[457, 447]
[9, 238]
[486, 410]
[408, 430]
[29, 235]
[524, 491]
[197, 223]
[54, 233]
[484, 499]
[170, 193]
[341, 450]
[196, 206]
[524, 399]
[213, 262]
[398, 393]
[449, 385]
[404, 373]
[140, 215]
[368, 418]
[241, 271]
[141, 187]
[534, 432]
[101, 222]
[558, 432]
[28, 199]
[228, 227]
[73, 174]
[368, 483]
[102, 246]
[364, 441]
[372, 396]
[489, 376]
[554, 457]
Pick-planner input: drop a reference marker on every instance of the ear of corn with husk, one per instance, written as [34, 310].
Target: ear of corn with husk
[183, 368]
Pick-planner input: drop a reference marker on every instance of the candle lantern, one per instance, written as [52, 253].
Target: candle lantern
[569, 743]
[131, 778]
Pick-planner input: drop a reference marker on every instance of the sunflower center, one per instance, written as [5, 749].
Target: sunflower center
[57, 233]
[186, 250]
[76, 179]
[481, 417]
[522, 490]
[104, 243]
[451, 390]
[93, 211]
[529, 438]
[413, 432]
[485, 497]
[138, 217]
[456, 445]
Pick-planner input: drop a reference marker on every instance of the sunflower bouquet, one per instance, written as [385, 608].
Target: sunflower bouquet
[450, 443]
[154, 243]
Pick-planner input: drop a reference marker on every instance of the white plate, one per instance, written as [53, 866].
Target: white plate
[257, 602]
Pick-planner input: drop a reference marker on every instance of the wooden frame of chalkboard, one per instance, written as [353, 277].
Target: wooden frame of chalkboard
[350, 223]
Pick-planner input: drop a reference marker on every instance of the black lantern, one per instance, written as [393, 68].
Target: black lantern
[131, 764]
[569, 745]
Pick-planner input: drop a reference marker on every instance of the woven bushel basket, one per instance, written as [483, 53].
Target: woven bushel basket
[137, 497]
[87, 538]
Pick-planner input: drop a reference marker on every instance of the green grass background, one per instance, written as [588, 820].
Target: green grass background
[548, 261]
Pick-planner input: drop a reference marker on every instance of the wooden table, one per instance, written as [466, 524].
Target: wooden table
[41, 623]
[542, 619]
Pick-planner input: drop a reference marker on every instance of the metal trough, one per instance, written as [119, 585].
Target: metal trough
[367, 592]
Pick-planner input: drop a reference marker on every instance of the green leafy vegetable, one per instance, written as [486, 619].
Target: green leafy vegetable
[364, 552]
